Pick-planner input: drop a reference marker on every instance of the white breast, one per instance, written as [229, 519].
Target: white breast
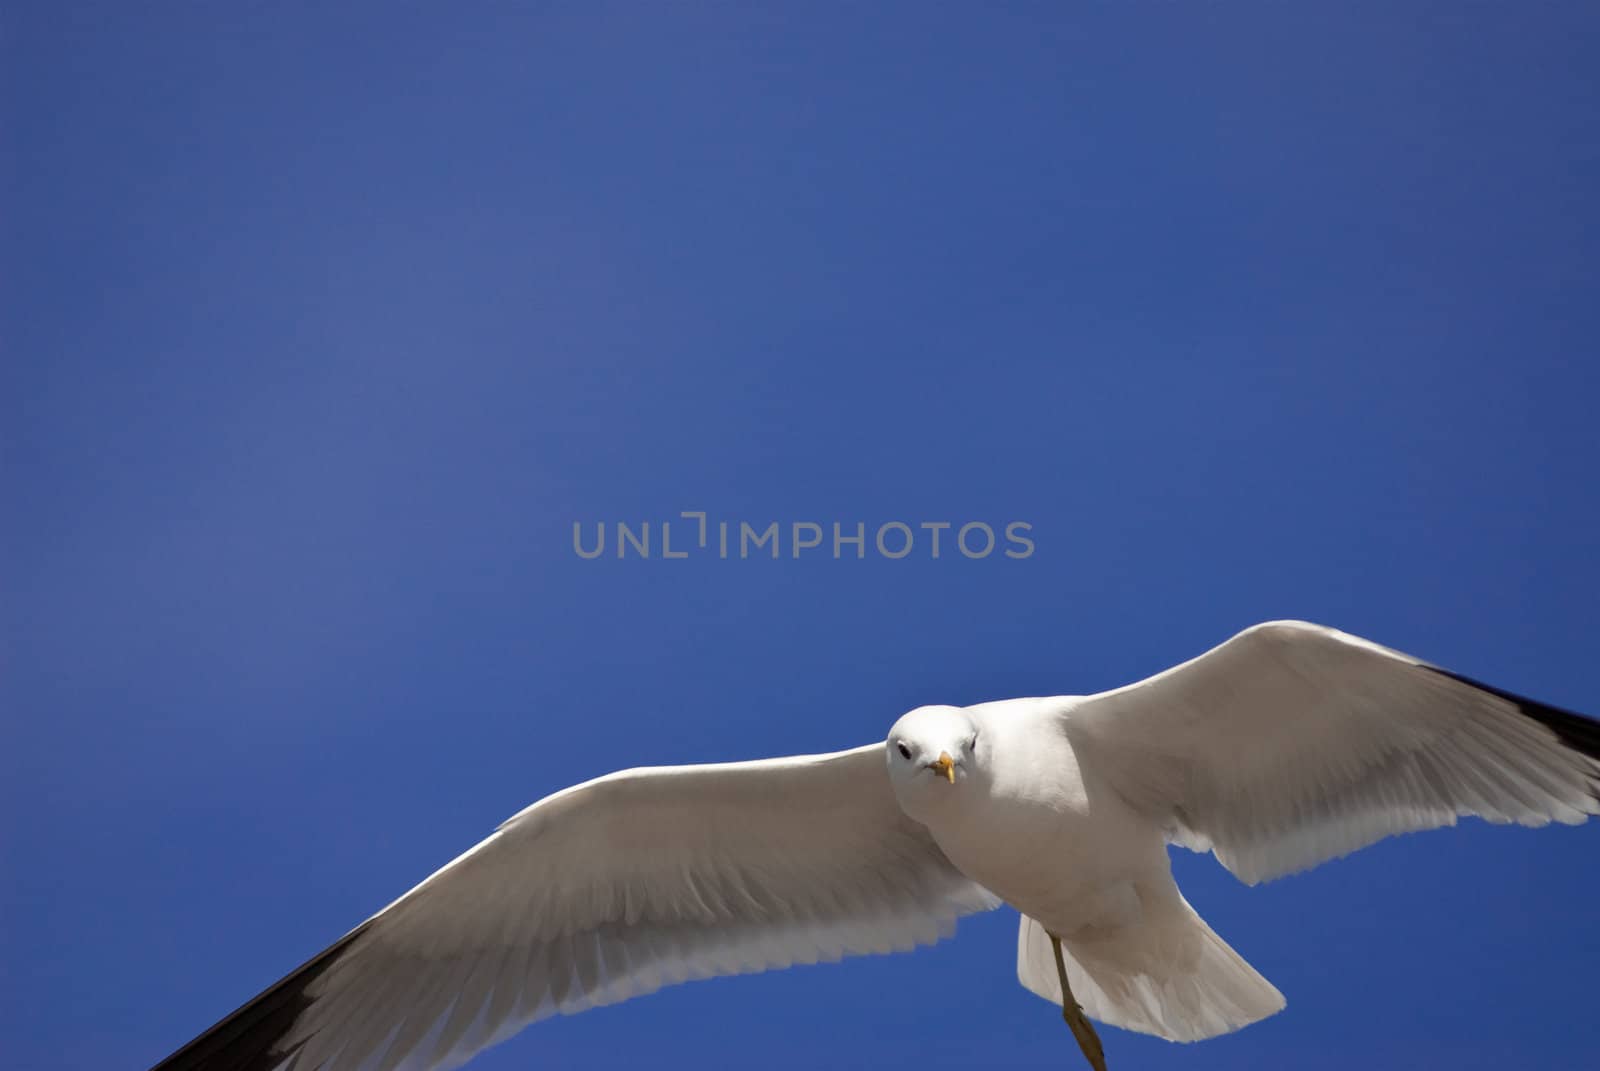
[1038, 830]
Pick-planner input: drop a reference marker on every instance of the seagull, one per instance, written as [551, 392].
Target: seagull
[1289, 745]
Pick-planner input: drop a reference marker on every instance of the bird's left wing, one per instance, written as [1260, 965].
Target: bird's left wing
[1292, 744]
[606, 891]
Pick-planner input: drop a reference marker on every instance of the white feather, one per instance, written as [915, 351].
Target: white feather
[1292, 744]
[613, 888]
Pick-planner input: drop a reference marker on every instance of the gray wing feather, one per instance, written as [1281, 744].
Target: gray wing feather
[607, 891]
[1292, 744]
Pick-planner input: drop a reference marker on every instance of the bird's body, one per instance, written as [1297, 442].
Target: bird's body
[1038, 831]
[1289, 745]
[1046, 831]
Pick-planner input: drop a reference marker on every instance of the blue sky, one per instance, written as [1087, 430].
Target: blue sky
[325, 326]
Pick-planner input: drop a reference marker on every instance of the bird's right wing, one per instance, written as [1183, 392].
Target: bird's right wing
[606, 891]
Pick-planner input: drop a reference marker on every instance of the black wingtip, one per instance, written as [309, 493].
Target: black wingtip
[1579, 733]
[247, 1039]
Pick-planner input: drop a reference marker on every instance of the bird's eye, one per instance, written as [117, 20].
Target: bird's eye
[905, 752]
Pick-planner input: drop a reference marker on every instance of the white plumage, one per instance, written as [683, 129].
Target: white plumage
[640, 879]
[1287, 746]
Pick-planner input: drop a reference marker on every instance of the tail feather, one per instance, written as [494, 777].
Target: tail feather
[1167, 975]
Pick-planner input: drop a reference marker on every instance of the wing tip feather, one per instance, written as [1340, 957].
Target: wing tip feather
[1576, 731]
[245, 1040]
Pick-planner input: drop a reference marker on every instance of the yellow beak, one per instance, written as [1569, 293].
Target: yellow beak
[947, 766]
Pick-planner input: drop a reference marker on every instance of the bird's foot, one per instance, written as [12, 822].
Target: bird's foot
[1072, 1012]
[1083, 1030]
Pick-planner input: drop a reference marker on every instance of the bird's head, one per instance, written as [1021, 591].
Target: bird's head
[930, 751]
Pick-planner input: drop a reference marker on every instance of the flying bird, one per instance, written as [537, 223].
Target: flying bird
[1289, 745]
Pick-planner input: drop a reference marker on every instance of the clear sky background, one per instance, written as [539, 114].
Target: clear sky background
[324, 326]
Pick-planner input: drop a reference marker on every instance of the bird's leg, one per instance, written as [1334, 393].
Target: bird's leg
[1082, 1029]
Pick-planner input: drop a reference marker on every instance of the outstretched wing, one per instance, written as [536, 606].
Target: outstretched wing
[1292, 744]
[605, 891]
